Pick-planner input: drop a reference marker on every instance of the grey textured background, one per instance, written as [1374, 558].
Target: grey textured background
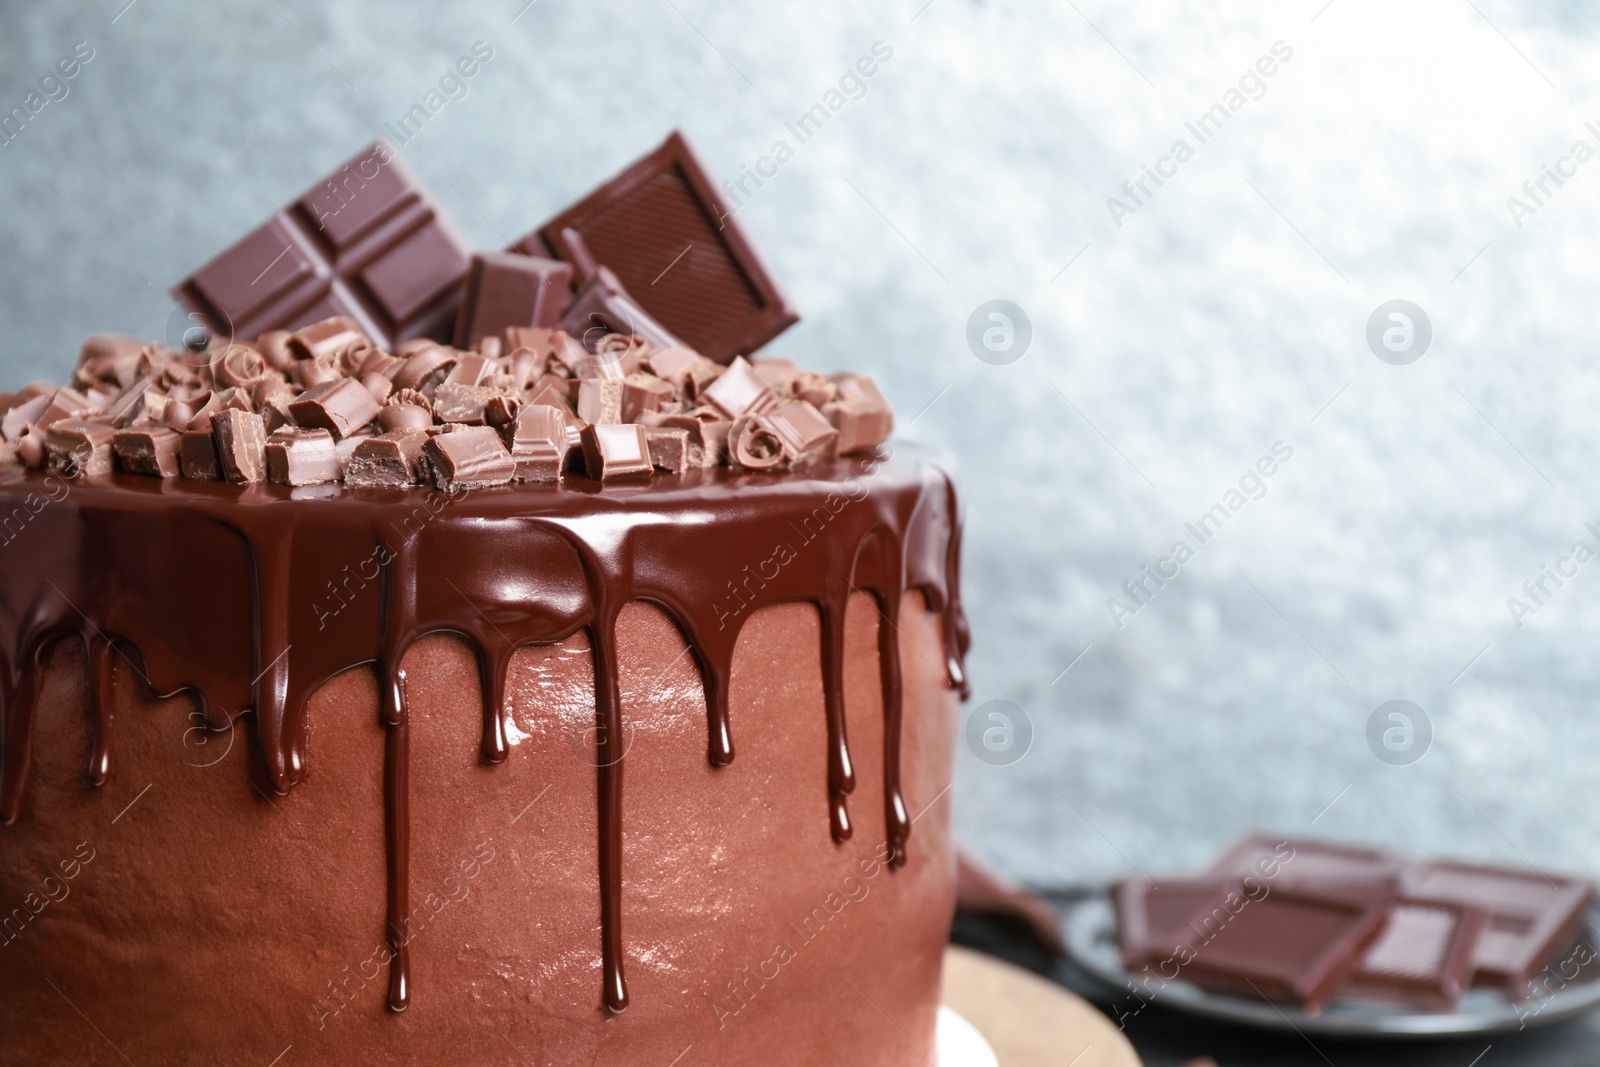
[1226, 314]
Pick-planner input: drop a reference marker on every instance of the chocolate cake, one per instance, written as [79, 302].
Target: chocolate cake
[568, 697]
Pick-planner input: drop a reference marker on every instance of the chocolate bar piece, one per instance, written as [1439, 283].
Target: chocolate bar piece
[669, 449]
[1531, 917]
[603, 307]
[472, 457]
[341, 407]
[539, 443]
[197, 453]
[677, 247]
[302, 457]
[1286, 945]
[615, 451]
[506, 289]
[77, 446]
[804, 430]
[1422, 957]
[1150, 916]
[367, 242]
[1294, 862]
[241, 445]
[389, 461]
[148, 450]
[739, 390]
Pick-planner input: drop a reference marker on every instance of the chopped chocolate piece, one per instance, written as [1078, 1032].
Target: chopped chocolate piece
[1285, 945]
[179, 413]
[472, 457]
[31, 450]
[752, 444]
[615, 451]
[77, 446]
[64, 404]
[149, 450]
[420, 368]
[777, 372]
[404, 416]
[669, 449]
[1422, 956]
[501, 410]
[302, 457]
[539, 443]
[802, 428]
[600, 400]
[643, 393]
[603, 307]
[241, 445]
[708, 435]
[665, 228]
[489, 346]
[566, 353]
[330, 337]
[20, 417]
[197, 455]
[673, 364]
[462, 403]
[510, 289]
[1531, 916]
[367, 242]
[813, 388]
[378, 361]
[861, 428]
[739, 390]
[472, 368]
[142, 404]
[388, 461]
[341, 407]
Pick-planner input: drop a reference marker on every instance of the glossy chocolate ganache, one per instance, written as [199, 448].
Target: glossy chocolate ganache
[250, 594]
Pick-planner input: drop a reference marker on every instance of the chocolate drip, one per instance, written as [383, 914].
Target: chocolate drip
[285, 604]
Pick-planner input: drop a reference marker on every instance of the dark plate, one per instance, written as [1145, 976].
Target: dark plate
[1091, 940]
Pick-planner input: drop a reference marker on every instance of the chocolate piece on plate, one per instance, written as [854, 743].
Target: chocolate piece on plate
[302, 457]
[368, 241]
[1532, 917]
[149, 450]
[506, 289]
[1422, 957]
[472, 457]
[675, 243]
[1287, 945]
[1150, 916]
[1296, 862]
[615, 451]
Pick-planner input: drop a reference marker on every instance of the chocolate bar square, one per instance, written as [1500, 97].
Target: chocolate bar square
[368, 241]
[677, 246]
[1294, 862]
[1531, 916]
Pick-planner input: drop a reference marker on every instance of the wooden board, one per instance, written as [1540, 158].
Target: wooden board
[1030, 1022]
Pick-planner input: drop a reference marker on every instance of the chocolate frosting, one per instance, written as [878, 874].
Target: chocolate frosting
[253, 596]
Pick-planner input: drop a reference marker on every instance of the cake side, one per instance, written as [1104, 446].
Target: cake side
[218, 923]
